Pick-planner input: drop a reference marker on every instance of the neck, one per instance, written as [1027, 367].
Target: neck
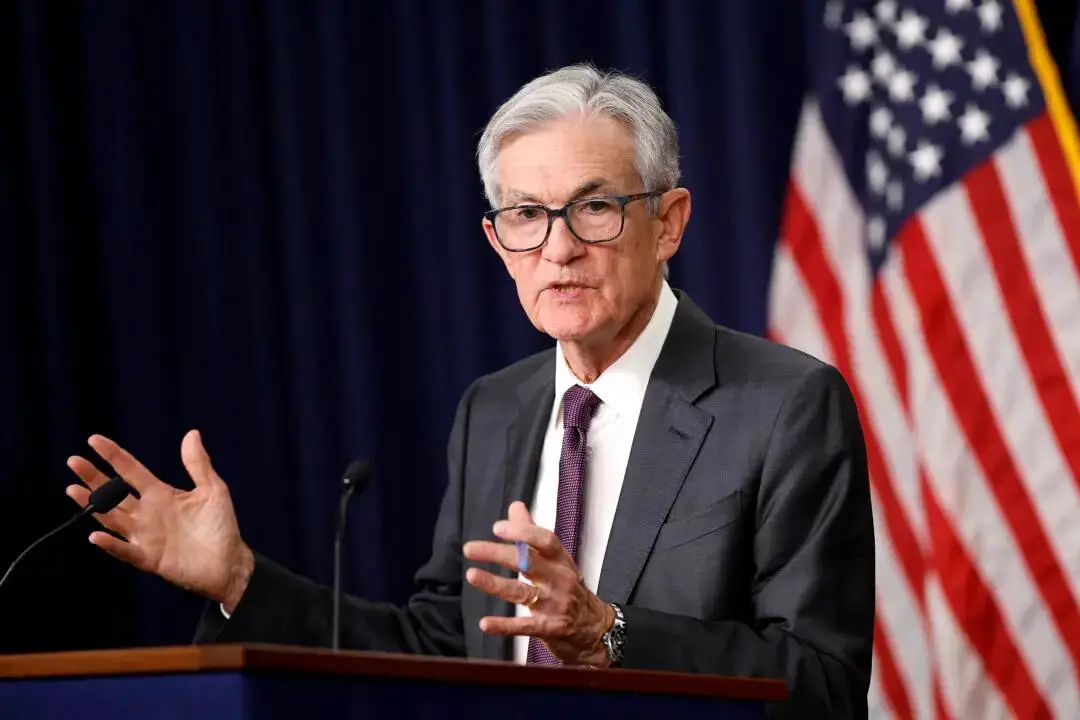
[587, 360]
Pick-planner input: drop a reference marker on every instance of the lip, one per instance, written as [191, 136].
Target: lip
[567, 287]
[566, 293]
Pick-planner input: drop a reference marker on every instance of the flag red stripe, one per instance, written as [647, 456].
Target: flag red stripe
[967, 397]
[892, 684]
[978, 613]
[800, 231]
[890, 344]
[941, 712]
[992, 215]
[1059, 184]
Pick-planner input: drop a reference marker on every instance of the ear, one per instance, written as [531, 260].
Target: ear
[494, 242]
[673, 215]
[489, 230]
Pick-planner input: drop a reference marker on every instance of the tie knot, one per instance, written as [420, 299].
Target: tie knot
[579, 405]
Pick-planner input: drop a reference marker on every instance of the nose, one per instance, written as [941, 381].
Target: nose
[562, 246]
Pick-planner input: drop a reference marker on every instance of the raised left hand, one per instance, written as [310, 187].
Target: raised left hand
[568, 617]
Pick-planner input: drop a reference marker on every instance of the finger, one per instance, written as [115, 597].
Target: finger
[197, 460]
[512, 591]
[79, 494]
[491, 552]
[505, 555]
[116, 520]
[539, 539]
[519, 513]
[95, 479]
[124, 463]
[527, 625]
[119, 549]
[87, 472]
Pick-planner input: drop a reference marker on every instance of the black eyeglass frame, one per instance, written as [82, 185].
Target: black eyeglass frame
[562, 212]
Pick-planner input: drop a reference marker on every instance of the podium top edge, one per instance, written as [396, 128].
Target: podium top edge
[252, 658]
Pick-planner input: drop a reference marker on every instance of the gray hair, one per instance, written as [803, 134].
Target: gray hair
[584, 89]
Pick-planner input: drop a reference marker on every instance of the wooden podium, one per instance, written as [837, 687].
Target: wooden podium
[241, 682]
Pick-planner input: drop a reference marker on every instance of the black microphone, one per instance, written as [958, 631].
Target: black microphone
[356, 479]
[102, 500]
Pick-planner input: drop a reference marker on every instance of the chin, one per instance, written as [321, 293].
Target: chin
[568, 323]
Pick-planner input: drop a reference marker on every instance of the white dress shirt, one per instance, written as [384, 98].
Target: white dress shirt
[621, 389]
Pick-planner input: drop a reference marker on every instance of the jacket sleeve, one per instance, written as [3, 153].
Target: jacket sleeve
[813, 585]
[283, 608]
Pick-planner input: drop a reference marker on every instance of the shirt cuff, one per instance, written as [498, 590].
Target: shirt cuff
[224, 611]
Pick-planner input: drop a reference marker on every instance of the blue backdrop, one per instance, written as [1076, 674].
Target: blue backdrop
[261, 218]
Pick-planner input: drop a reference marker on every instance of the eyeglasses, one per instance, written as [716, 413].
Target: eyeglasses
[592, 220]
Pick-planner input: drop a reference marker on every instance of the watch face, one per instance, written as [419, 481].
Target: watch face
[615, 638]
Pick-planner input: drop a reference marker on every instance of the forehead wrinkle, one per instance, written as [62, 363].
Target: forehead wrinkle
[587, 187]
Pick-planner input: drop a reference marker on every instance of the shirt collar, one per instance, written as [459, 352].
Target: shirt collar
[622, 385]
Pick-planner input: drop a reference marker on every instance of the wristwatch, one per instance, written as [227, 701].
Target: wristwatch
[615, 638]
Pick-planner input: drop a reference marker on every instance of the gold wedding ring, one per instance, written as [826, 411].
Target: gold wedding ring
[534, 597]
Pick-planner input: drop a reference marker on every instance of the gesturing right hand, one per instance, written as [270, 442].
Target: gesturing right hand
[190, 538]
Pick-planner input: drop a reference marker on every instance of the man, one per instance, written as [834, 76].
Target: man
[663, 493]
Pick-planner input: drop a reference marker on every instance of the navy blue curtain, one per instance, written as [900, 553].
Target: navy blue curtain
[261, 218]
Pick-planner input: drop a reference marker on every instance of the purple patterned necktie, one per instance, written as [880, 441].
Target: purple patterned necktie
[579, 406]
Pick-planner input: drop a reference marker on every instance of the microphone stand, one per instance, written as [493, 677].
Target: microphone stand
[343, 505]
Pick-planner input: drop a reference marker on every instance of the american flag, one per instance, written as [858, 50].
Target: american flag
[930, 250]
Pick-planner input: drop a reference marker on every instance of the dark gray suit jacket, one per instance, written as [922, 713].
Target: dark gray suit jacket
[742, 543]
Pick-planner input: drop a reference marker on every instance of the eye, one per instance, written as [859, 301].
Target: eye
[597, 206]
[525, 214]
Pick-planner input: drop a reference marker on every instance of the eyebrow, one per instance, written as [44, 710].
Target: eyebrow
[514, 197]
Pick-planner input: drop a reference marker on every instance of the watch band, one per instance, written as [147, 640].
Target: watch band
[615, 638]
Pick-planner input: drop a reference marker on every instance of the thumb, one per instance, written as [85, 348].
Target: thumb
[196, 459]
[519, 513]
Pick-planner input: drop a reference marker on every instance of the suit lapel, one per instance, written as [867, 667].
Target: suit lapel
[525, 436]
[669, 434]
[524, 443]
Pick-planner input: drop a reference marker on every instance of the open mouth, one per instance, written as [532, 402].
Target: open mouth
[567, 290]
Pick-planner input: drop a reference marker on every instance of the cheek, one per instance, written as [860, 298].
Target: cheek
[523, 271]
[630, 269]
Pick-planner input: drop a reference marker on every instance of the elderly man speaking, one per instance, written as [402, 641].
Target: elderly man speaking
[654, 492]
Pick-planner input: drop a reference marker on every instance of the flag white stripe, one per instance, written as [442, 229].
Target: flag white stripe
[965, 691]
[1043, 245]
[791, 308]
[876, 703]
[903, 621]
[961, 491]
